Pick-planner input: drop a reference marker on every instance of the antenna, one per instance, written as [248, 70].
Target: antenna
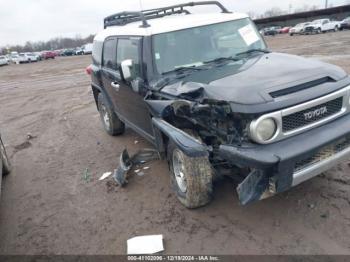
[141, 5]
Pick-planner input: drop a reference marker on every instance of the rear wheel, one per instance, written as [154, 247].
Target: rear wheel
[111, 122]
[6, 165]
[192, 177]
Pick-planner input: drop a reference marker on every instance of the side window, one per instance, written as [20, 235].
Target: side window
[129, 49]
[97, 52]
[110, 54]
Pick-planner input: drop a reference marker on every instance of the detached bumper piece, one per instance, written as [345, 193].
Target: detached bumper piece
[278, 167]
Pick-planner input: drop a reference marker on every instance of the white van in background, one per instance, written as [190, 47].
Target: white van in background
[87, 49]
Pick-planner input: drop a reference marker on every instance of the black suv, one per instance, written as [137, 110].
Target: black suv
[210, 96]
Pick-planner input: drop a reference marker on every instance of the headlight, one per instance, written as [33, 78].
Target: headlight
[265, 130]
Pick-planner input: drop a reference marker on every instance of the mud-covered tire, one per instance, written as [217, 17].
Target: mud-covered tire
[5, 162]
[111, 122]
[199, 178]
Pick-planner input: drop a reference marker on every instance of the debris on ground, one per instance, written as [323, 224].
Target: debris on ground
[126, 163]
[30, 136]
[105, 175]
[141, 173]
[136, 142]
[145, 245]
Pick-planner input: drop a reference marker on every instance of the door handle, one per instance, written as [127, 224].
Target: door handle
[115, 85]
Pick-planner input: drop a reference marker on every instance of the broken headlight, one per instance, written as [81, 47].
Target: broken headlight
[263, 130]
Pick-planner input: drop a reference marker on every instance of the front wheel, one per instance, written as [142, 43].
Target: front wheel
[192, 177]
[111, 122]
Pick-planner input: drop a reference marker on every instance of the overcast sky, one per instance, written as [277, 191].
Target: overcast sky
[35, 20]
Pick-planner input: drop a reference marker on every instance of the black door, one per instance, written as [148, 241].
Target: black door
[130, 98]
[127, 96]
[110, 71]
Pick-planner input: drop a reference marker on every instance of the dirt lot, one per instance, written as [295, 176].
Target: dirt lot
[49, 207]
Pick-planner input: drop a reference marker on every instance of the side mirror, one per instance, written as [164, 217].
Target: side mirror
[126, 66]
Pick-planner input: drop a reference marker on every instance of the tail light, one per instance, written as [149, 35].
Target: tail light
[89, 70]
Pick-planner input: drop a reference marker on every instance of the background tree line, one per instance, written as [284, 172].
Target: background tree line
[53, 44]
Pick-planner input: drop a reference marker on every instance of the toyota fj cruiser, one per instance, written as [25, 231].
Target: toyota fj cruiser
[206, 91]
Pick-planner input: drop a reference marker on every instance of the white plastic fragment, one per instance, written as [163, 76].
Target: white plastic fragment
[137, 171]
[141, 174]
[105, 175]
[145, 245]
[146, 168]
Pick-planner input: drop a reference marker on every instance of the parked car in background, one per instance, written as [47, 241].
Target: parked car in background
[14, 59]
[321, 26]
[79, 51]
[4, 60]
[298, 29]
[38, 56]
[271, 31]
[345, 24]
[68, 52]
[27, 58]
[87, 49]
[284, 30]
[5, 165]
[48, 55]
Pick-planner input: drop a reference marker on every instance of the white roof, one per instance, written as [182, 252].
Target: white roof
[169, 24]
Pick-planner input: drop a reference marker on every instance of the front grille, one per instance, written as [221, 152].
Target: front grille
[323, 154]
[298, 120]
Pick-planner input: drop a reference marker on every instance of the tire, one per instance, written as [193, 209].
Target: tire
[194, 187]
[291, 34]
[111, 122]
[6, 165]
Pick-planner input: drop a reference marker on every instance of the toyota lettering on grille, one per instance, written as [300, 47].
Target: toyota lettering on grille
[316, 113]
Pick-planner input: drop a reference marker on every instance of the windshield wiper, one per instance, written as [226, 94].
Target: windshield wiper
[252, 51]
[221, 59]
[183, 69]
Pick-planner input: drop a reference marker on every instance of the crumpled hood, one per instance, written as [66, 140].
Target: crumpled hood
[253, 81]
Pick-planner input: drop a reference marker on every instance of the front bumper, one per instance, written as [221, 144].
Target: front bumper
[281, 165]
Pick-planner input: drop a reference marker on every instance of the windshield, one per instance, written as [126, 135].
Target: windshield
[194, 46]
[317, 22]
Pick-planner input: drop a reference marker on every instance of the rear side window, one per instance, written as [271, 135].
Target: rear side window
[110, 54]
[97, 52]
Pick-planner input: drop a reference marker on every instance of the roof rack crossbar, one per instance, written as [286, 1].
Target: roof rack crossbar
[124, 18]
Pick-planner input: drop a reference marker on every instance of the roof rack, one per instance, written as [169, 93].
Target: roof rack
[124, 18]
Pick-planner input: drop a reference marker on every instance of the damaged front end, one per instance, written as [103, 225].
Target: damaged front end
[199, 126]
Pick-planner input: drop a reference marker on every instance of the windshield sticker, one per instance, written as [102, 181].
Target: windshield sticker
[248, 34]
[157, 56]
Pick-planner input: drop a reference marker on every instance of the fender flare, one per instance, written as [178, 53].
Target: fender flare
[186, 143]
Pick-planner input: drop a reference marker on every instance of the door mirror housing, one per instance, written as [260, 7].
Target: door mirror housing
[126, 68]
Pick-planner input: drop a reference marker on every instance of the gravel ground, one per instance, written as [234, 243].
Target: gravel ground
[48, 205]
